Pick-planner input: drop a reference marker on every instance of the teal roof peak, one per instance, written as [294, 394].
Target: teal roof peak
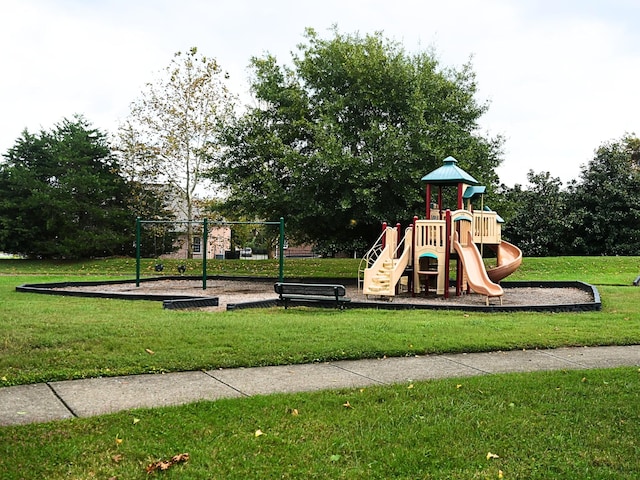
[449, 174]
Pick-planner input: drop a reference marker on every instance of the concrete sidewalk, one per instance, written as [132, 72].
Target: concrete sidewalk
[96, 396]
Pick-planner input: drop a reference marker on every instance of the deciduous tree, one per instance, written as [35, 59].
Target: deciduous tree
[605, 202]
[338, 141]
[539, 224]
[172, 133]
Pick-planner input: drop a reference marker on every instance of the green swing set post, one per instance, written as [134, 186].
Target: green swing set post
[205, 235]
[281, 252]
[138, 226]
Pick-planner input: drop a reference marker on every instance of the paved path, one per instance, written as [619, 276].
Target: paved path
[44, 402]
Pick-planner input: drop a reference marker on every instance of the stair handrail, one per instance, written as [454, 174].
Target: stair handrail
[395, 255]
[369, 258]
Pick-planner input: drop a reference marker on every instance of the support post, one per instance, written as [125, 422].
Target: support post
[384, 236]
[428, 202]
[205, 240]
[137, 251]
[447, 252]
[281, 254]
[414, 259]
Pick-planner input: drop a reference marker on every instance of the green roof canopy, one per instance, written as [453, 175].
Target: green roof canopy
[449, 174]
[471, 192]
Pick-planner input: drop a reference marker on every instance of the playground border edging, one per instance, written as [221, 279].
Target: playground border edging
[191, 301]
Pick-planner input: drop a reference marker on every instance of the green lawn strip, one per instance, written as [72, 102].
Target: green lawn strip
[296, 267]
[46, 337]
[565, 424]
[594, 270]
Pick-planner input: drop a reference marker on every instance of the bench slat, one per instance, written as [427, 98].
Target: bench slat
[310, 289]
[315, 292]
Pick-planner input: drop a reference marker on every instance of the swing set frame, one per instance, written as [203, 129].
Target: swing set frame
[205, 233]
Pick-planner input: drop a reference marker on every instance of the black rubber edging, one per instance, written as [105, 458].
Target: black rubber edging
[190, 303]
[595, 305]
[48, 289]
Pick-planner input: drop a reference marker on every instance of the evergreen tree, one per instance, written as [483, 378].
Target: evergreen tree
[62, 195]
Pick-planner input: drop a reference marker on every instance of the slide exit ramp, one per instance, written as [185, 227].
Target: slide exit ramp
[473, 264]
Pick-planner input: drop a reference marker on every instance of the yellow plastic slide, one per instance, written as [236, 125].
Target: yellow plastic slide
[474, 269]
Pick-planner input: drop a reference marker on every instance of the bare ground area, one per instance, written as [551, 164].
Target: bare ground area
[242, 291]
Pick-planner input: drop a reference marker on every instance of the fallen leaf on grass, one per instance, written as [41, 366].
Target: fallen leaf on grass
[500, 474]
[258, 433]
[347, 404]
[491, 455]
[167, 464]
[149, 351]
[117, 458]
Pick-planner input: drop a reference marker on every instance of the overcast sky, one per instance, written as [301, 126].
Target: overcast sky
[562, 76]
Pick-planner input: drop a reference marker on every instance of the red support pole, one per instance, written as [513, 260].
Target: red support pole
[384, 237]
[414, 234]
[447, 252]
[428, 201]
[460, 196]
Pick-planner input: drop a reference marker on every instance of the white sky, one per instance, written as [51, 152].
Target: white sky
[562, 76]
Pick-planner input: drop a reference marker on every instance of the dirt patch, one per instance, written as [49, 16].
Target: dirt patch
[243, 291]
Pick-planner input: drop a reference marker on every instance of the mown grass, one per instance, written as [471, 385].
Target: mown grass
[45, 338]
[570, 425]
[597, 270]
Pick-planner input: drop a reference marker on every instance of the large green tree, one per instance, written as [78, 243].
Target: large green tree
[338, 141]
[62, 195]
[605, 202]
[538, 221]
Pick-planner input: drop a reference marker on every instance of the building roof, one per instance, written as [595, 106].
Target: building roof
[449, 174]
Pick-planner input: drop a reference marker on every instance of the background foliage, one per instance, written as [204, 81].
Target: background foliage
[338, 142]
[598, 214]
[62, 195]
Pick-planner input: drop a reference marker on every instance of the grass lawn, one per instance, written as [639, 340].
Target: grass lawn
[542, 425]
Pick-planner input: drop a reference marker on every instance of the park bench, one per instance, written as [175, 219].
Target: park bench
[311, 293]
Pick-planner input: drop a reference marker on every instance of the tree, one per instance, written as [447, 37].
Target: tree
[539, 223]
[339, 141]
[605, 202]
[172, 133]
[62, 195]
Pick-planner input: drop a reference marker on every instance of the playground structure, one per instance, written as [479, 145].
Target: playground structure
[421, 258]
